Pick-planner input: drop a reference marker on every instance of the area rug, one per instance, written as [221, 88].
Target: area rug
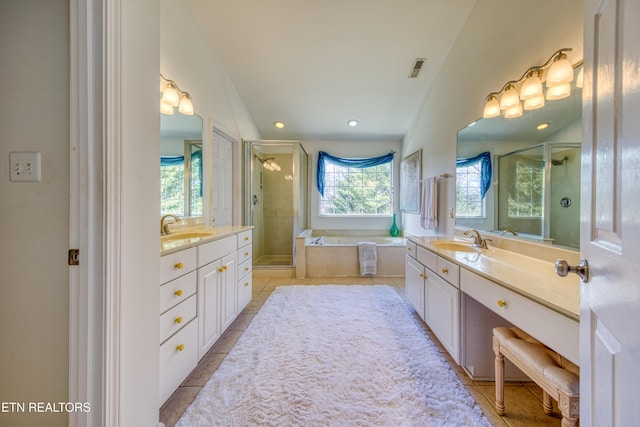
[334, 355]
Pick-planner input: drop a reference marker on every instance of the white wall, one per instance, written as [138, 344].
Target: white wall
[34, 308]
[351, 149]
[499, 41]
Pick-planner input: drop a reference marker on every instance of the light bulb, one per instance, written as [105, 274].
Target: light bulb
[531, 88]
[491, 108]
[170, 95]
[186, 106]
[513, 112]
[561, 72]
[165, 108]
[558, 92]
[534, 103]
[510, 98]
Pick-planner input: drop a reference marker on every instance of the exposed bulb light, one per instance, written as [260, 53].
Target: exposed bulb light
[542, 126]
[531, 88]
[510, 98]
[279, 125]
[561, 72]
[352, 123]
[491, 108]
[186, 106]
[558, 92]
[166, 108]
[513, 112]
[170, 95]
[534, 103]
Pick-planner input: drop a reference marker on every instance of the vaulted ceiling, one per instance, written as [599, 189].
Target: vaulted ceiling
[314, 65]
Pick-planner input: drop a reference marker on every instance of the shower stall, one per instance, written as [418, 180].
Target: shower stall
[276, 181]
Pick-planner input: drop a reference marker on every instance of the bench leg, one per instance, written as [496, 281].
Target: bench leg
[547, 404]
[499, 382]
[570, 409]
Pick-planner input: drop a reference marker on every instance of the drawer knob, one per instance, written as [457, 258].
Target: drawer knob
[409, 249]
[422, 276]
[221, 269]
[178, 292]
[502, 303]
[246, 269]
[445, 270]
[179, 266]
[224, 267]
[180, 347]
[246, 254]
[246, 284]
[179, 319]
[246, 238]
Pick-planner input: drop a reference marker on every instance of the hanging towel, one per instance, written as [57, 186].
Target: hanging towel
[429, 208]
[368, 258]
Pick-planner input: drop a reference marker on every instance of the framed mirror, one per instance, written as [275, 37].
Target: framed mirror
[534, 191]
[181, 168]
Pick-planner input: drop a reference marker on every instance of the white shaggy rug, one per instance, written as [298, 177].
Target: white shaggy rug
[334, 356]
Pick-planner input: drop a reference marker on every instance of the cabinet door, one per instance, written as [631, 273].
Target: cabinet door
[208, 306]
[228, 287]
[442, 310]
[414, 284]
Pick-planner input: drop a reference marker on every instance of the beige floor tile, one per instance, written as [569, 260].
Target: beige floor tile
[242, 321]
[204, 370]
[254, 306]
[226, 342]
[173, 409]
[521, 409]
[487, 409]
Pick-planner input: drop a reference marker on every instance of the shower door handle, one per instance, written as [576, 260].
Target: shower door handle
[255, 200]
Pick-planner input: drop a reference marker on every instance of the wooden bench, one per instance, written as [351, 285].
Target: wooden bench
[558, 377]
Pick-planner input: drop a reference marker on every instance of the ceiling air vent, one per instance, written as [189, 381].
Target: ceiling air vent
[417, 66]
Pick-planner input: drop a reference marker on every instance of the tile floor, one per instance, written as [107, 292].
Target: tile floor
[523, 400]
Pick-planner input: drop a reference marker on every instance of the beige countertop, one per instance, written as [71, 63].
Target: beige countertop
[173, 243]
[530, 277]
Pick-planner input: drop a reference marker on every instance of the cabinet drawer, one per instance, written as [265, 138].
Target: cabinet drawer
[178, 357]
[210, 252]
[244, 268]
[245, 288]
[553, 329]
[411, 249]
[173, 320]
[177, 264]
[244, 254]
[448, 271]
[427, 258]
[244, 238]
[177, 290]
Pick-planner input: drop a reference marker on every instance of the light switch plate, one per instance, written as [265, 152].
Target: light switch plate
[24, 166]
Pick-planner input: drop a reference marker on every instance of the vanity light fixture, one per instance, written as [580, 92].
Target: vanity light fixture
[279, 125]
[173, 96]
[556, 73]
[352, 123]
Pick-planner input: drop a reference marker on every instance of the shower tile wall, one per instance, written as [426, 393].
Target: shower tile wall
[278, 207]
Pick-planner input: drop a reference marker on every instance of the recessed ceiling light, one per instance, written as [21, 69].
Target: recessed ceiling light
[542, 126]
[279, 125]
[353, 123]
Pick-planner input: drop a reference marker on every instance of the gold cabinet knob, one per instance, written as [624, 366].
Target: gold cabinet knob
[445, 270]
[246, 254]
[179, 319]
[502, 303]
[409, 249]
[422, 276]
[246, 238]
[178, 292]
[246, 269]
[221, 269]
[246, 284]
[180, 347]
[224, 267]
[179, 266]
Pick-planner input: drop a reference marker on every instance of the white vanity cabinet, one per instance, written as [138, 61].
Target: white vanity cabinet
[432, 286]
[178, 324]
[244, 284]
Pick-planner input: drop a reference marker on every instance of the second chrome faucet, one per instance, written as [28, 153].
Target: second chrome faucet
[478, 241]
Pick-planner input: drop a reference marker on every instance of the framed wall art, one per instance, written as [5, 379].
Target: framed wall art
[410, 177]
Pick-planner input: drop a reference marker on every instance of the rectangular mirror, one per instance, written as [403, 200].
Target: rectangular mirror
[181, 177]
[534, 189]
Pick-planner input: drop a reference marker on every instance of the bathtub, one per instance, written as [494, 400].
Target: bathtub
[327, 253]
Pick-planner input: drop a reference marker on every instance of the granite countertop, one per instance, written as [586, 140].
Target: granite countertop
[530, 277]
[193, 236]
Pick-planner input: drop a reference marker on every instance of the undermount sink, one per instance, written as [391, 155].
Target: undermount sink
[185, 236]
[448, 245]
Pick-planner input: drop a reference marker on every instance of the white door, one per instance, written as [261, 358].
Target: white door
[610, 219]
[414, 288]
[228, 289]
[221, 165]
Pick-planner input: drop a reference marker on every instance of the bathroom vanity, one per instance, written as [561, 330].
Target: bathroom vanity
[463, 292]
[205, 282]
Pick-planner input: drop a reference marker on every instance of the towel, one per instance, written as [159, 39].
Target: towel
[429, 207]
[368, 258]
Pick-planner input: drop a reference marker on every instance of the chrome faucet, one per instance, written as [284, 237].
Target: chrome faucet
[164, 228]
[478, 241]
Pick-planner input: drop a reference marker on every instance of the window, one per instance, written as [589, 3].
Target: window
[180, 183]
[525, 200]
[469, 200]
[353, 189]
[473, 178]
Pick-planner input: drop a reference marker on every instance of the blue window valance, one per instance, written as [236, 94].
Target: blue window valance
[349, 163]
[485, 169]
